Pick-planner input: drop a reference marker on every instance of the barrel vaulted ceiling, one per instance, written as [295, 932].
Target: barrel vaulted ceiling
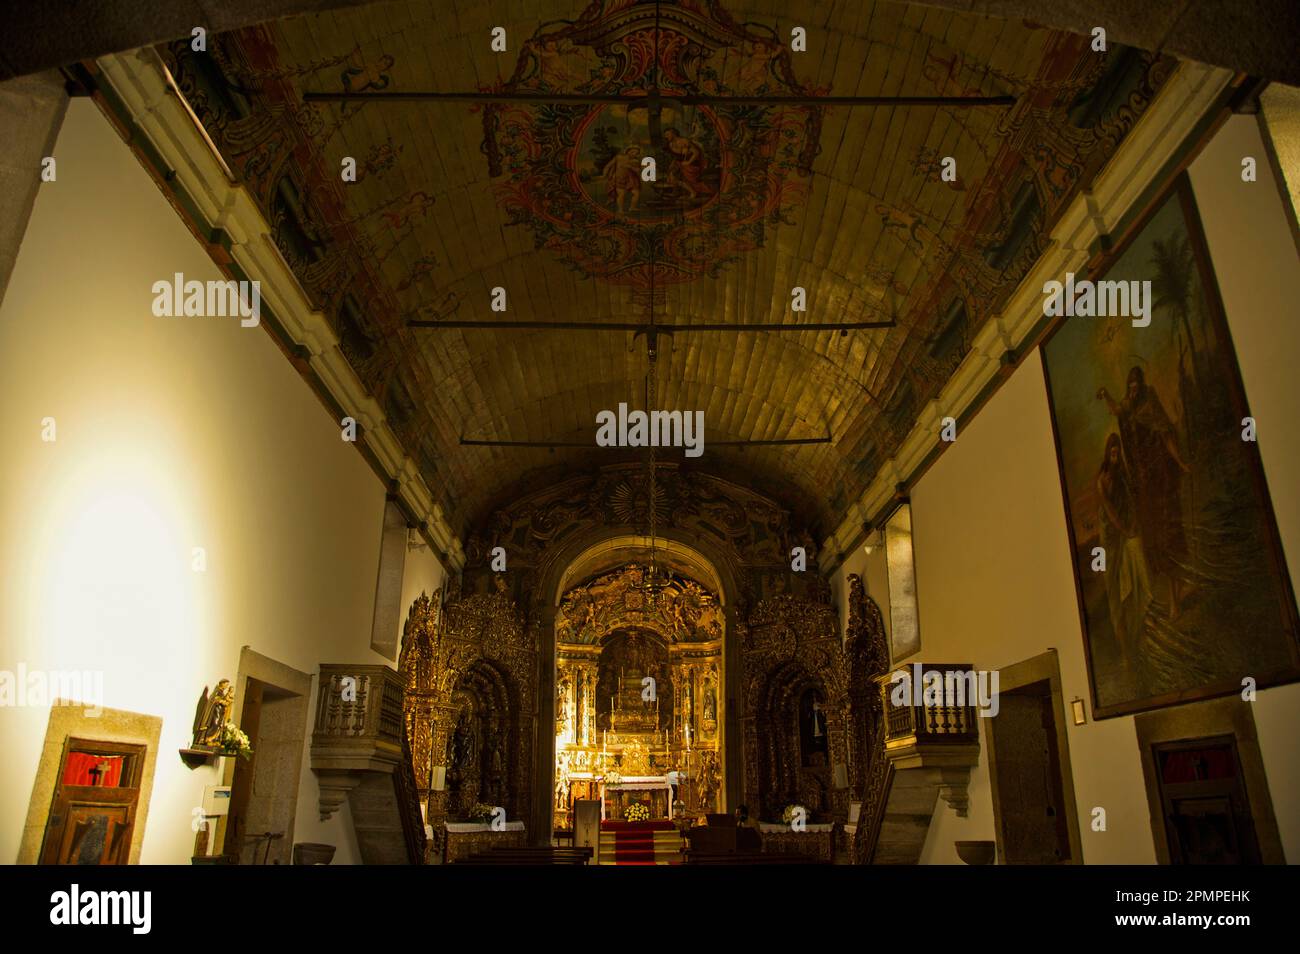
[452, 199]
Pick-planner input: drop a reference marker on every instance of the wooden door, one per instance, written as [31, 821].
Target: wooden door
[1207, 812]
[95, 800]
[1030, 803]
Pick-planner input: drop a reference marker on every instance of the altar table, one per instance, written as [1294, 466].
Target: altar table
[815, 840]
[468, 838]
[639, 783]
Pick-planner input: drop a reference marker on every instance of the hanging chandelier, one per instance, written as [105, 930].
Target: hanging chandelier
[656, 578]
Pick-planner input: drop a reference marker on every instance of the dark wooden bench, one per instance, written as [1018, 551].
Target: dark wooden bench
[530, 856]
[750, 858]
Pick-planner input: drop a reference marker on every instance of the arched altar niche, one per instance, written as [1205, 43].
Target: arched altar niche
[482, 756]
[794, 751]
[800, 745]
[627, 657]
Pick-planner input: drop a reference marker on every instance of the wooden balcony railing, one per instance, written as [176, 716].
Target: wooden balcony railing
[922, 718]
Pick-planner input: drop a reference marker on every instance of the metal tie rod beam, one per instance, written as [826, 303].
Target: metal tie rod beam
[687, 99]
[643, 327]
[780, 441]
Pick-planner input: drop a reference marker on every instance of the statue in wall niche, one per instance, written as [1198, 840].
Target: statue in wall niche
[707, 787]
[496, 776]
[212, 714]
[562, 781]
[563, 708]
[462, 759]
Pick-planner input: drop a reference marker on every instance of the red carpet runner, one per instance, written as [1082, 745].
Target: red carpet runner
[638, 843]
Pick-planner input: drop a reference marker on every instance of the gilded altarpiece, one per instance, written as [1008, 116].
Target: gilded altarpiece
[469, 667]
[638, 695]
[796, 725]
[748, 540]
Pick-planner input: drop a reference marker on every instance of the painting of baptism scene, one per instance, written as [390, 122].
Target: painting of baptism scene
[1162, 478]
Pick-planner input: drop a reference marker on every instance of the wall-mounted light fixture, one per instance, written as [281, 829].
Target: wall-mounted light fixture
[875, 540]
[1078, 711]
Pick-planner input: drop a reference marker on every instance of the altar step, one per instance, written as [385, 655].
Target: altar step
[639, 843]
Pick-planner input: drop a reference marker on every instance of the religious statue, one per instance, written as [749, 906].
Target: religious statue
[706, 788]
[679, 622]
[496, 786]
[212, 714]
[562, 782]
[564, 708]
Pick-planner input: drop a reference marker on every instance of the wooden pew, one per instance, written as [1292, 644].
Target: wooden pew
[545, 855]
[749, 858]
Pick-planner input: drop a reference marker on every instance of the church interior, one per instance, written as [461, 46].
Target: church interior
[649, 433]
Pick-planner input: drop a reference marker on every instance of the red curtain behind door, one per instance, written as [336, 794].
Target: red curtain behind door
[78, 770]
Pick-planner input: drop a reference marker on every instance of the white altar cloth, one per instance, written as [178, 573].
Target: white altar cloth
[638, 783]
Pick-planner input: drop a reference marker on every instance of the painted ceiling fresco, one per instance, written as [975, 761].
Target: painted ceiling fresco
[453, 199]
[572, 174]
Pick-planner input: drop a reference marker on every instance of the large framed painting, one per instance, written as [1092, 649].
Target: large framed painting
[1183, 589]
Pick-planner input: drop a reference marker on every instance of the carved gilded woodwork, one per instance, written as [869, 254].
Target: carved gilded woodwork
[683, 612]
[748, 528]
[871, 772]
[792, 653]
[469, 670]
[610, 636]
[744, 541]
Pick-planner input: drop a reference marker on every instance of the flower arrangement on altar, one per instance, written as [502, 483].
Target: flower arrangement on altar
[612, 777]
[792, 812]
[636, 812]
[481, 812]
[234, 741]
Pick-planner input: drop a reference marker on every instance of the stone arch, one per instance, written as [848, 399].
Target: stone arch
[591, 522]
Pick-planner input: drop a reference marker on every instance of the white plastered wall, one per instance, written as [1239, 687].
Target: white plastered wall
[172, 433]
